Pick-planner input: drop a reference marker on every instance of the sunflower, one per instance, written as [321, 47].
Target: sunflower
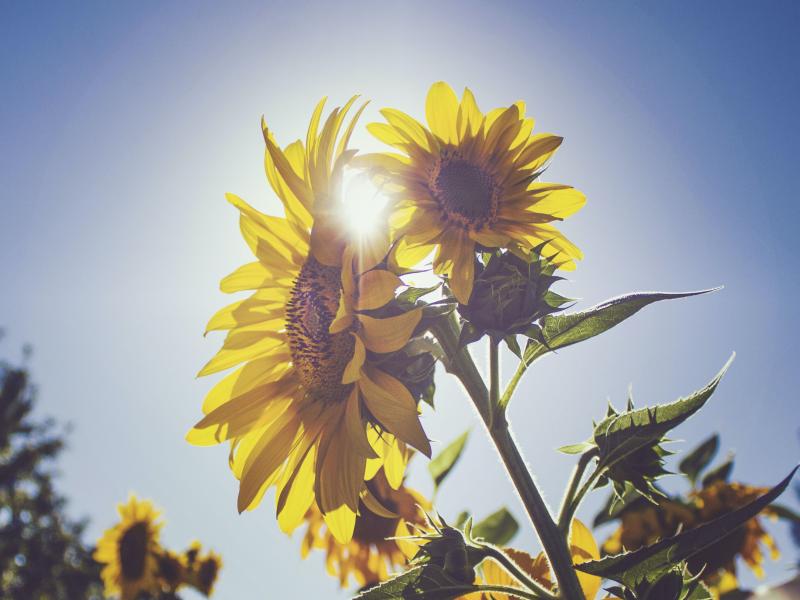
[309, 412]
[201, 570]
[369, 556]
[644, 524]
[583, 547]
[129, 551]
[171, 570]
[471, 179]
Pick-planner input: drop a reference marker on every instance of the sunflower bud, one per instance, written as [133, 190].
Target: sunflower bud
[509, 295]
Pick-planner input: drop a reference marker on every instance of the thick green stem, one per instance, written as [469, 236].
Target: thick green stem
[553, 541]
[504, 589]
[566, 511]
[460, 363]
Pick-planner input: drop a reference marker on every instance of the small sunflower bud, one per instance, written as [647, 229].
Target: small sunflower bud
[509, 295]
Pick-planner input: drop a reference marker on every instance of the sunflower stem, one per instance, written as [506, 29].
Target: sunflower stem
[460, 363]
[512, 384]
[566, 511]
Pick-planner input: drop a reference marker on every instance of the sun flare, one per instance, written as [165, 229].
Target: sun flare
[364, 206]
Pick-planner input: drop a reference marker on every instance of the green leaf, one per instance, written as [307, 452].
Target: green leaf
[513, 345]
[498, 528]
[699, 458]
[579, 448]
[651, 562]
[443, 463]
[411, 294]
[619, 436]
[562, 330]
[425, 582]
[719, 473]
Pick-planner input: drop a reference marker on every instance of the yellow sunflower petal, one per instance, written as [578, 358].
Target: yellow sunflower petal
[441, 109]
[392, 405]
[376, 288]
[341, 522]
[272, 449]
[583, 547]
[353, 369]
[389, 334]
[355, 426]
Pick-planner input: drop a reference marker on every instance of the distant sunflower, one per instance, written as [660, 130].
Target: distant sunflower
[129, 551]
[171, 570]
[471, 179]
[369, 557]
[644, 524]
[202, 570]
[309, 412]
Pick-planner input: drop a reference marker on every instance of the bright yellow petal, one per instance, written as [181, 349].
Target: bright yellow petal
[376, 288]
[341, 522]
[583, 547]
[271, 451]
[353, 369]
[389, 334]
[441, 110]
[392, 405]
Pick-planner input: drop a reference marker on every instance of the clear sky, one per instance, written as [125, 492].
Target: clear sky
[123, 124]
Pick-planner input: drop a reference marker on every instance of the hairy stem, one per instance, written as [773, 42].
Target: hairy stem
[460, 363]
[566, 511]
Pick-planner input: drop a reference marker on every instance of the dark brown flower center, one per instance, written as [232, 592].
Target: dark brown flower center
[319, 356]
[466, 193]
[133, 551]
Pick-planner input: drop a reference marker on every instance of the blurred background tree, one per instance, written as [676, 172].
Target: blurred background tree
[42, 553]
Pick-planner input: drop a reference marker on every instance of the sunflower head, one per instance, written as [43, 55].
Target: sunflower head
[720, 498]
[171, 569]
[129, 551]
[385, 514]
[469, 179]
[310, 411]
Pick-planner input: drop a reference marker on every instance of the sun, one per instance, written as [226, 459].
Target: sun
[364, 206]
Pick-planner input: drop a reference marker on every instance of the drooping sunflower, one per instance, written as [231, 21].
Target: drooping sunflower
[201, 570]
[643, 524]
[129, 551]
[309, 412]
[471, 179]
[369, 556]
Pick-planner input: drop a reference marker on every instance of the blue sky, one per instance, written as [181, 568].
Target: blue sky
[124, 124]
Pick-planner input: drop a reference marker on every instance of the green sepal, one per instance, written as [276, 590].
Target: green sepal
[579, 448]
[513, 345]
[499, 528]
[559, 331]
[648, 564]
[629, 443]
[698, 459]
[410, 295]
[442, 464]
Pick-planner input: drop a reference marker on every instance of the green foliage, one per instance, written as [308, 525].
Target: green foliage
[559, 331]
[509, 295]
[443, 569]
[675, 584]
[443, 463]
[650, 563]
[499, 528]
[699, 458]
[42, 554]
[629, 443]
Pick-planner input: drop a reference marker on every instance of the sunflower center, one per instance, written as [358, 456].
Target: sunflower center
[465, 192]
[319, 356]
[133, 551]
